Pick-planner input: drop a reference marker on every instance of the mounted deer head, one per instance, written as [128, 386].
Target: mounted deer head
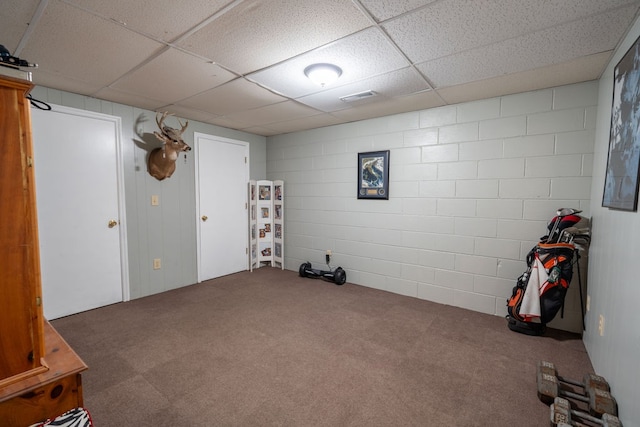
[162, 160]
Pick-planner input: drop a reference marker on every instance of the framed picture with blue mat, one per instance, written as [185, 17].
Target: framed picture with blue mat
[373, 175]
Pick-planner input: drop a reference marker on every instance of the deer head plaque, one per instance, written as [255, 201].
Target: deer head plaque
[162, 160]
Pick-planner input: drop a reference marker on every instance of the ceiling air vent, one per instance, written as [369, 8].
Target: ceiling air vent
[358, 96]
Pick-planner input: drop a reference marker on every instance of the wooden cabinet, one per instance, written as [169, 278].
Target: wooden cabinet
[26, 358]
[47, 394]
[21, 322]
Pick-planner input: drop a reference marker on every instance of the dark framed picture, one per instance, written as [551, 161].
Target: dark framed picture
[623, 164]
[373, 175]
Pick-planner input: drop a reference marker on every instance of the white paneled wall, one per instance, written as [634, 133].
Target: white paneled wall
[167, 231]
[472, 189]
[614, 287]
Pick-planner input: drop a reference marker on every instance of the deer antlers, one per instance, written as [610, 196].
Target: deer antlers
[168, 132]
[162, 160]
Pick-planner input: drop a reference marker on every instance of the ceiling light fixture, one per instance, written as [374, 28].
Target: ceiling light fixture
[323, 74]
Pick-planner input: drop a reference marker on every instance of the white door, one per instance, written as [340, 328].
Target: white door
[78, 189]
[222, 175]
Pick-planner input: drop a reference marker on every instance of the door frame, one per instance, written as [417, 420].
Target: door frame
[122, 217]
[196, 152]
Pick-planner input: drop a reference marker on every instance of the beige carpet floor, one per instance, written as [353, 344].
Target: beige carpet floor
[269, 348]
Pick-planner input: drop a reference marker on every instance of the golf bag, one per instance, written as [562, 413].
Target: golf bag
[540, 291]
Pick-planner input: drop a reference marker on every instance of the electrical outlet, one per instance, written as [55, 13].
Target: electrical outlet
[329, 252]
[156, 264]
[155, 200]
[588, 302]
[601, 325]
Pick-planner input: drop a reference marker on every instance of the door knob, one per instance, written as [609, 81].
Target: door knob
[204, 217]
[113, 223]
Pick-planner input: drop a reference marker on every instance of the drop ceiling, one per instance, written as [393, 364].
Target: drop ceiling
[239, 64]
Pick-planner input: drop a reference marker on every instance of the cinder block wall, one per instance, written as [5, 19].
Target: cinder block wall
[472, 189]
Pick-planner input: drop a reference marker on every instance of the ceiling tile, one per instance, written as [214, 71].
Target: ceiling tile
[259, 130]
[383, 10]
[393, 84]
[53, 80]
[163, 19]
[232, 97]
[274, 113]
[95, 52]
[192, 114]
[174, 75]
[452, 26]
[362, 55]
[414, 102]
[129, 99]
[14, 21]
[532, 50]
[311, 122]
[251, 35]
[228, 123]
[579, 70]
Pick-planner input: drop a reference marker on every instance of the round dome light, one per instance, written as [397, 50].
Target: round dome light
[323, 74]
